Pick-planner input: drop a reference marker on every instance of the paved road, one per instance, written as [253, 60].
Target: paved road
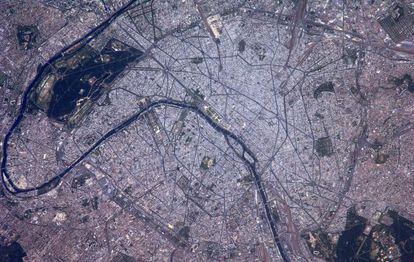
[246, 155]
[41, 72]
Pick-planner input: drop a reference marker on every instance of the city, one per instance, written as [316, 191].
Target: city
[159, 130]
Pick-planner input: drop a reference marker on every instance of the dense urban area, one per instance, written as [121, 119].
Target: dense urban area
[195, 130]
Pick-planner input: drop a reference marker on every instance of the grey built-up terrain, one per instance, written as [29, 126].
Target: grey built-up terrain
[207, 130]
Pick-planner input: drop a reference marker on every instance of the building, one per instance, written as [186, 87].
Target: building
[398, 22]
